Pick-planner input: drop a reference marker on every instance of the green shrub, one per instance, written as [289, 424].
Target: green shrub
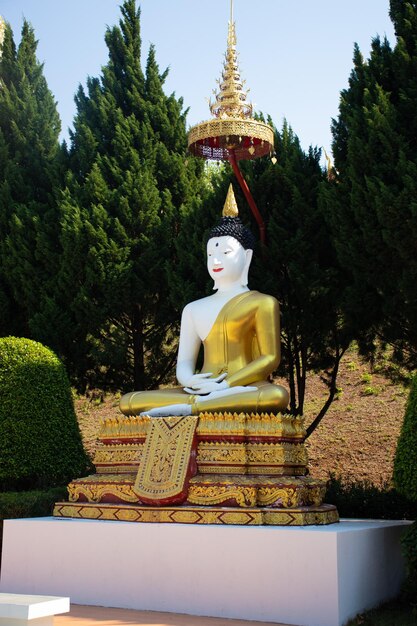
[364, 500]
[409, 544]
[29, 504]
[405, 464]
[40, 443]
[15, 504]
[405, 478]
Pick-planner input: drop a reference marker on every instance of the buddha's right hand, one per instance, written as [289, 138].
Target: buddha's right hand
[197, 380]
[205, 386]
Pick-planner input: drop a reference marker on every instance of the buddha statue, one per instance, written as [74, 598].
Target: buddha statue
[240, 332]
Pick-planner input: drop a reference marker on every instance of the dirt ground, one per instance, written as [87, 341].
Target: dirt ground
[356, 439]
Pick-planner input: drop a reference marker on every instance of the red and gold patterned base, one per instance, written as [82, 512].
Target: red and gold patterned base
[218, 468]
[304, 516]
[208, 490]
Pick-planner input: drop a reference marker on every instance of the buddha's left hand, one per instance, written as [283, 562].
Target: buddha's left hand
[207, 386]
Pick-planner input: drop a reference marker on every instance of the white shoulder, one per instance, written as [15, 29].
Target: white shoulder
[196, 306]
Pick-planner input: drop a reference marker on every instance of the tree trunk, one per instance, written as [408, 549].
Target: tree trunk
[332, 393]
[293, 397]
[301, 380]
[138, 348]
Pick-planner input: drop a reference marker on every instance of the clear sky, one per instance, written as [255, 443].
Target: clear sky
[295, 55]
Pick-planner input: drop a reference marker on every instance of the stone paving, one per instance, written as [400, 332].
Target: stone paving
[102, 616]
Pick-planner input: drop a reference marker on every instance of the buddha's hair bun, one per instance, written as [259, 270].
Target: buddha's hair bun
[233, 227]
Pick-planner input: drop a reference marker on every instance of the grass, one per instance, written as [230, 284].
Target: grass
[366, 378]
[357, 438]
[371, 391]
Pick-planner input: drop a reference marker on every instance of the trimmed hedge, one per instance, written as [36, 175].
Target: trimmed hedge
[405, 464]
[40, 442]
[28, 504]
[364, 500]
[17, 504]
[405, 478]
[409, 544]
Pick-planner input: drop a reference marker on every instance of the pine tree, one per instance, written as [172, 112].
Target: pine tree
[29, 175]
[372, 208]
[303, 273]
[129, 184]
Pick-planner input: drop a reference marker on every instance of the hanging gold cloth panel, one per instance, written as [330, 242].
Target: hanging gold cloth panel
[168, 460]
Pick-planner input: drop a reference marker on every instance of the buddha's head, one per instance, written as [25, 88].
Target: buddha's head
[229, 248]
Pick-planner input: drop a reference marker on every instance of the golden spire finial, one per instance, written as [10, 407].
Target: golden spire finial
[230, 206]
[231, 33]
[331, 170]
[2, 31]
[231, 97]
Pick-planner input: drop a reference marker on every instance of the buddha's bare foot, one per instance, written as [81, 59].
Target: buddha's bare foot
[167, 411]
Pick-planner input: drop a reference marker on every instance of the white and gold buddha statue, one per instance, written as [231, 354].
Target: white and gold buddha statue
[239, 329]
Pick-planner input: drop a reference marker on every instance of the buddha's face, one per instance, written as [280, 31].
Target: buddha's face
[227, 261]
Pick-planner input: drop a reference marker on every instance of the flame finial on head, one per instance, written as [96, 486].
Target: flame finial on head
[230, 206]
[231, 225]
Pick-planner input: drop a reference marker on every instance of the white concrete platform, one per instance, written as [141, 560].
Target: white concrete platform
[306, 576]
[30, 610]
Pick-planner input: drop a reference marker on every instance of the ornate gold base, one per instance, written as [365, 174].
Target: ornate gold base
[203, 490]
[238, 443]
[219, 468]
[304, 516]
[281, 492]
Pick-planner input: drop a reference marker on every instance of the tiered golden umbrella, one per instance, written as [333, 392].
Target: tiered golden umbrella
[233, 134]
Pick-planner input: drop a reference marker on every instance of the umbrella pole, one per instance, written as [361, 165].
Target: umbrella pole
[244, 186]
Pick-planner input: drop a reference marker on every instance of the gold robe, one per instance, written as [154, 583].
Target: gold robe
[244, 342]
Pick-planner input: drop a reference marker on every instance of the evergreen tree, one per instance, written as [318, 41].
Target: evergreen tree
[372, 209]
[29, 174]
[129, 185]
[303, 273]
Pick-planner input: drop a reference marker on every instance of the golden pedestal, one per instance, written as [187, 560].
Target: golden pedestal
[212, 469]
